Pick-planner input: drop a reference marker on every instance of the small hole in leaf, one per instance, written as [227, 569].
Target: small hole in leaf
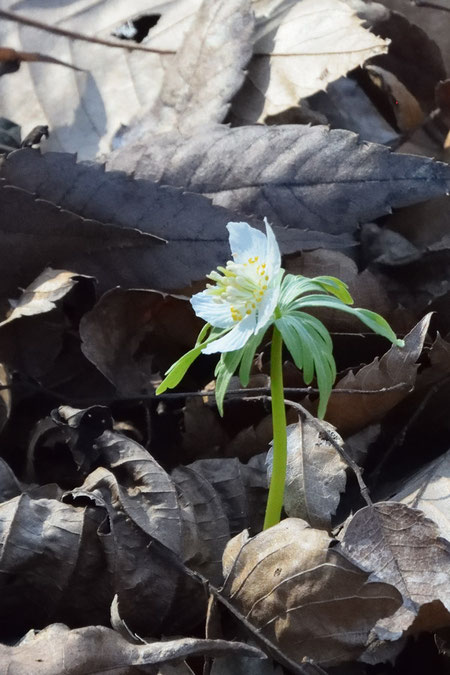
[137, 29]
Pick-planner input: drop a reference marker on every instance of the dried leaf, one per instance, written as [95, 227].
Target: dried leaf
[401, 547]
[304, 597]
[31, 337]
[297, 176]
[126, 328]
[300, 47]
[349, 412]
[315, 474]
[115, 84]
[429, 491]
[196, 230]
[206, 71]
[96, 649]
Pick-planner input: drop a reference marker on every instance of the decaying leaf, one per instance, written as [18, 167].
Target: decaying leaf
[295, 175]
[96, 649]
[115, 82]
[429, 491]
[300, 47]
[31, 337]
[206, 71]
[400, 546]
[315, 474]
[349, 412]
[126, 328]
[308, 599]
[128, 252]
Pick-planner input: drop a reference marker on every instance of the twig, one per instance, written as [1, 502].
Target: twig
[19, 18]
[322, 430]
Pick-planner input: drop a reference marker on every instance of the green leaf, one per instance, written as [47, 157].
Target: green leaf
[225, 369]
[311, 347]
[295, 286]
[178, 369]
[249, 354]
[371, 319]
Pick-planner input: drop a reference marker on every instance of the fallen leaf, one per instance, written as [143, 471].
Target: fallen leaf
[300, 47]
[429, 491]
[5, 396]
[116, 82]
[315, 474]
[31, 338]
[96, 649]
[349, 413]
[303, 596]
[296, 176]
[126, 328]
[195, 229]
[401, 547]
[207, 70]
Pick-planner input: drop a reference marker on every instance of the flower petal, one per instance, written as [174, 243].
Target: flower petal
[235, 339]
[216, 313]
[246, 242]
[267, 305]
[273, 255]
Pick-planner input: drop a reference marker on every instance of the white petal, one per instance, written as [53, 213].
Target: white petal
[267, 306]
[235, 339]
[216, 313]
[273, 255]
[246, 242]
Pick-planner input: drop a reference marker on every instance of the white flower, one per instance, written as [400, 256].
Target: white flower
[246, 291]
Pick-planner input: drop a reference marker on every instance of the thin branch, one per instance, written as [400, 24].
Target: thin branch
[73, 35]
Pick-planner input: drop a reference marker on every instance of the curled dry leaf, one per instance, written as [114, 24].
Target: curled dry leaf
[31, 337]
[126, 328]
[400, 546]
[349, 412]
[300, 47]
[315, 474]
[308, 599]
[100, 650]
[296, 175]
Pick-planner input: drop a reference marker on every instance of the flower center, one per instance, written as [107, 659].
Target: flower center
[240, 285]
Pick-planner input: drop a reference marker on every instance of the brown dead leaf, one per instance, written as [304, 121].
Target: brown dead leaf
[315, 475]
[126, 328]
[401, 547]
[306, 598]
[31, 338]
[98, 650]
[349, 412]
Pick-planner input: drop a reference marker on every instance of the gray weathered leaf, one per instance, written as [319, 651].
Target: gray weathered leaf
[400, 546]
[315, 475]
[306, 598]
[429, 491]
[99, 650]
[115, 82]
[297, 176]
[206, 71]
[300, 47]
[195, 229]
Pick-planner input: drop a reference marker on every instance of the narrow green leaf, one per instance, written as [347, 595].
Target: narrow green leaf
[225, 369]
[249, 354]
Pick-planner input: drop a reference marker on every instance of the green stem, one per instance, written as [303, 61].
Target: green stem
[276, 489]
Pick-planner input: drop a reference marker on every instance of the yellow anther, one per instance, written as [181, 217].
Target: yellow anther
[249, 311]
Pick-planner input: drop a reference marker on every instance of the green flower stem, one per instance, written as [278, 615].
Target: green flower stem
[276, 489]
